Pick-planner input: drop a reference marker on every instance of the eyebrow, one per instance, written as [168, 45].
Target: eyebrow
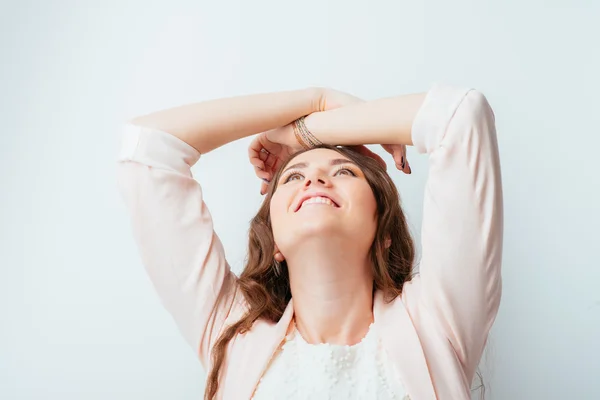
[335, 161]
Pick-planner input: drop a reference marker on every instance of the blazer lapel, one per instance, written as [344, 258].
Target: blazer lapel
[253, 351]
[252, 354]
[402, 343]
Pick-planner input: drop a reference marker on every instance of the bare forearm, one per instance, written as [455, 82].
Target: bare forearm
[210, 124]
[383, 121]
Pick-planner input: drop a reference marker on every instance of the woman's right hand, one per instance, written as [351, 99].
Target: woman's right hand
[268, 150]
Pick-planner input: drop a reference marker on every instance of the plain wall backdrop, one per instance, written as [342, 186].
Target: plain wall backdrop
[79, 319]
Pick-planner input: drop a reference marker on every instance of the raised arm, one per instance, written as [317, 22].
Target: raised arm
[463, 209]
[210, 124]
[462, 218]
[171, 224]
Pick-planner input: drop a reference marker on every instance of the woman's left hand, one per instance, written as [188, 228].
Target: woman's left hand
[398, 152]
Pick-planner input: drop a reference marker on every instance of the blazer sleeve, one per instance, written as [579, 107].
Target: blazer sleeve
[462, 224]
[173, 230]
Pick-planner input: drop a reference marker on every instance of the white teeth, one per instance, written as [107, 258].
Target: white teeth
[318, 200]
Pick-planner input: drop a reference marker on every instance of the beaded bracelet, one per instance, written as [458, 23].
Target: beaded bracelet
[303, 135]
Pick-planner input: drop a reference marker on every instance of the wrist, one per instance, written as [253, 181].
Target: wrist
[306, 139]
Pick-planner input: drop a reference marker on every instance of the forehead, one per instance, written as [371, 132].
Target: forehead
[317, 156]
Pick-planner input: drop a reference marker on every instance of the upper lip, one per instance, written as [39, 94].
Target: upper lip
[311, 195]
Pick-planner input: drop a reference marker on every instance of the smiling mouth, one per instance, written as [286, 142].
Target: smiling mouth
[318, 200]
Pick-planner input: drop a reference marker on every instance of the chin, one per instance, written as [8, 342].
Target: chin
[312, 226]
[307, 228]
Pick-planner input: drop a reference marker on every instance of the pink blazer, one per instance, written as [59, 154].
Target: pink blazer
[434, 333]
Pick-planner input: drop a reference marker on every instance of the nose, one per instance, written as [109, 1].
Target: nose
[316, 178]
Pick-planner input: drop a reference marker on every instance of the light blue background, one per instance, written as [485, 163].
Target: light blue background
[78, 317]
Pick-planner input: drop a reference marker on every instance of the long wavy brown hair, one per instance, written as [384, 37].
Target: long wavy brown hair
[266, 287]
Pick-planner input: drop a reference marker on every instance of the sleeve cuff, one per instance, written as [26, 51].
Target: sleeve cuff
[156, 149]
[432, 119]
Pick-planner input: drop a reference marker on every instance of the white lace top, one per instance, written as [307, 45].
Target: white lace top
[300, 370]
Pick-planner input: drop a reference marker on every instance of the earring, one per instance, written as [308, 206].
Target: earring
[277, 267]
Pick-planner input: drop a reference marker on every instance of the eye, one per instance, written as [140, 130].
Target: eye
[345, 171]
[297, 175]
[293, 176]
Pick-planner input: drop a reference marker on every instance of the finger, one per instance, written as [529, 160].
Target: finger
[254, 147]
[255, 150]
[398, 158]
[262, 174]
[271, 162]
[261, 147]
[267, 156]
[264, 187]
[391, 150]
[276, 165]
[257, 163]
[269, 145]
[263, 155]
[258, 155]
[394, 151]
[406, 166]
[398, 152]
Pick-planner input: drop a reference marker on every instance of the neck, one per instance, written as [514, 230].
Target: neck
[332, 292]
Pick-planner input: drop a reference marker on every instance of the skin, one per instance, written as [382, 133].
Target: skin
[327, 247]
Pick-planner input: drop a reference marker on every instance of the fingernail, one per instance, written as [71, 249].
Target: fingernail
[409, 170]
[266, 180]
[402, 161]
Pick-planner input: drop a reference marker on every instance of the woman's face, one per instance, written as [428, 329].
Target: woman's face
[323, 193]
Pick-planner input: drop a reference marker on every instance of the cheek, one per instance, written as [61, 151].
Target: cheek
[366, 205]
[363, 196]
[371, 208]
[278, 210]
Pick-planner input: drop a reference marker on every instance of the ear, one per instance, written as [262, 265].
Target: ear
[278, 256]
[388, 243]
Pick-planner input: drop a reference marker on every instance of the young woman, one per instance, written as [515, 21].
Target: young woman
[327, 305]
